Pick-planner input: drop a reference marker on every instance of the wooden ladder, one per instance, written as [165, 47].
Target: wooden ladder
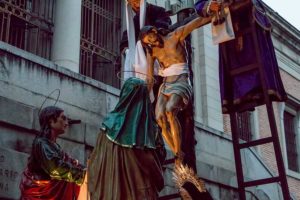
[273, 139]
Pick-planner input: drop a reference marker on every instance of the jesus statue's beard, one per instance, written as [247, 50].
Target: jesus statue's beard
[160, 41]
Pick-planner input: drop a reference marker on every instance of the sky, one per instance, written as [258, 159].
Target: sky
[288, 9]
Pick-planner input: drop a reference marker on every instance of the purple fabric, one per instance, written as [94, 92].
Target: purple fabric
[200, 8]
[244, 91]
[259, 12]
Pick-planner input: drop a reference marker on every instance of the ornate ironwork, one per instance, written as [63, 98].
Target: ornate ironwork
[28, 24]
[100, 40]
[185, 178]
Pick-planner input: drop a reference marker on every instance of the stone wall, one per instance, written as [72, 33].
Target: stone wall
[25, 82]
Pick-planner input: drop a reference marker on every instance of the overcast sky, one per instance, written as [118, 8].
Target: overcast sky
[288, 9]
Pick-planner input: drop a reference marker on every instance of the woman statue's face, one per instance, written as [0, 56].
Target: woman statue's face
[60, 125]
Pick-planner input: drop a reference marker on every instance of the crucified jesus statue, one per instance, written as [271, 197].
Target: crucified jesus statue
[168, 48]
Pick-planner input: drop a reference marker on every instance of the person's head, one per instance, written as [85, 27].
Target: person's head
[150, 37]
[52, 119]
[135, 4]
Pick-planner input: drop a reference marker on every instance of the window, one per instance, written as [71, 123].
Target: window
[28, 24]
[100, 40]
[291, 133]
[244, 124]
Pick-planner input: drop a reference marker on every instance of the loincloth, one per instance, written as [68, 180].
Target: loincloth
[178, 84]
[175, 69]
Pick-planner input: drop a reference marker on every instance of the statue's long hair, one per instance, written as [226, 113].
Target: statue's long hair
[48, 113]
[147, 29]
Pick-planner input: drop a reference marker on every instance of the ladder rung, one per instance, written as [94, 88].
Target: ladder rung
[241, 70]
[256, 142]
[261, 181]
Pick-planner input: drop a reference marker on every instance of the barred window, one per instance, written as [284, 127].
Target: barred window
[28, 24]
[100, 40]
[291, 138]
[244, 125]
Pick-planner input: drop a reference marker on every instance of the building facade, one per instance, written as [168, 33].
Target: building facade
[69, 50]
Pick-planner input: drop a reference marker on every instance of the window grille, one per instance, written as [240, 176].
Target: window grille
[100, 40]
[291, 141]
[28, 24]
[244, 125]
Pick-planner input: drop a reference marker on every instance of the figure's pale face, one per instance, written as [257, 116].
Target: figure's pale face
[135, 4]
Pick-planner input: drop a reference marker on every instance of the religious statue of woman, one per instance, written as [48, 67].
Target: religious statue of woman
[124, 163]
